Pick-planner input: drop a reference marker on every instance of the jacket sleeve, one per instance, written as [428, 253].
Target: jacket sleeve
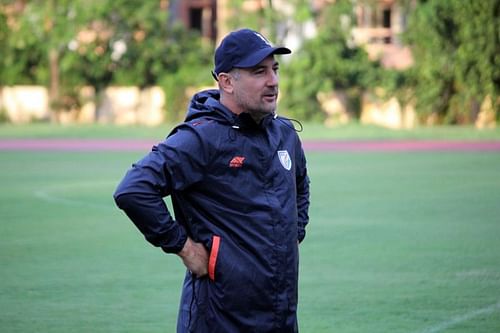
[302, 183]
[174, 164]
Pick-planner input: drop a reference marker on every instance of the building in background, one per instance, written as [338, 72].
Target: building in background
[378, 28]
[199, 15]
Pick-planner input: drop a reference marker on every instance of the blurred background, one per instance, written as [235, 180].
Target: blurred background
[403, 237]
[392, 63]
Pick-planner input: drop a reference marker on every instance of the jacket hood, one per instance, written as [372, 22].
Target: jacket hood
[207, 104]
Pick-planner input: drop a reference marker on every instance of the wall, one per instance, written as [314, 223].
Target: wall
[119, 105]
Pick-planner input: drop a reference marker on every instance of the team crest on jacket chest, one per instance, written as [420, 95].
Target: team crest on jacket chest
[285, 159]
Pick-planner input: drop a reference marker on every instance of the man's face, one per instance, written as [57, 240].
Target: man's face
[256, 88]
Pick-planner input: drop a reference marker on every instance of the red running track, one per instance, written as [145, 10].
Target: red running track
[82, 145]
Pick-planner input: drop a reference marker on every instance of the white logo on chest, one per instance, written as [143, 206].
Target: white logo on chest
[285, 160]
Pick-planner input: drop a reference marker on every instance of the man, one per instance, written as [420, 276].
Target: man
[236, 174]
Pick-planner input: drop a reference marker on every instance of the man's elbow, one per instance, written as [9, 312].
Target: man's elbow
[124, 200]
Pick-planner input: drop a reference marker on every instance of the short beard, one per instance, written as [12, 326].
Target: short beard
[257, 113]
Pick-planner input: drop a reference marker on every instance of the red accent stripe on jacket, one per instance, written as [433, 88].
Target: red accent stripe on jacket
[212, 260]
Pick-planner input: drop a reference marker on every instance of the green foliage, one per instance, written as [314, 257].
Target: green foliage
[270, 19]
[22, 53]
[67, 44]
[192, 59]
[325, 63]
[3, 114]
[260, 19]
[98, 43]
[455, 46]
[322, 64]
[478, 54]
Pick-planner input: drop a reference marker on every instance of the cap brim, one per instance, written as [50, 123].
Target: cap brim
[255, 58]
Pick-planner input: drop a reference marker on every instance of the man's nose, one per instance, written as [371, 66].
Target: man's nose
[272, 79]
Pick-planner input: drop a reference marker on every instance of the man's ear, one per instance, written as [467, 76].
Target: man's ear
[226, 82]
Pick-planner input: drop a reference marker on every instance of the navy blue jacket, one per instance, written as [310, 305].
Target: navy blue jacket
[242, 190]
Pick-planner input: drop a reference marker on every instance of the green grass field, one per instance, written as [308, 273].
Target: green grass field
[311, 131]
[398, 242]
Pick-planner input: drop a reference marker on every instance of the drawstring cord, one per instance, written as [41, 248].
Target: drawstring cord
[232, 134]
[282, 119]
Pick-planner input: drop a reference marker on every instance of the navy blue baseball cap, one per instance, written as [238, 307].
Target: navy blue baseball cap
[243, 48]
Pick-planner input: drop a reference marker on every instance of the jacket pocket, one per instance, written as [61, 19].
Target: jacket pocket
[212, 260]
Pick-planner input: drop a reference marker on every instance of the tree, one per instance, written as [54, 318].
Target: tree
[67, 44]
[38, 34]
[22, 53]
[131, 43]
[455, 46]
[327, 62]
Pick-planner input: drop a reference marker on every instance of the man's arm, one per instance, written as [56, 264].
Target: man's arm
[302, 183]
[174, 164]
[150, 215]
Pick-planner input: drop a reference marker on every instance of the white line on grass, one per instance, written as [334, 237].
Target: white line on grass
[462, 318]
[46, 194]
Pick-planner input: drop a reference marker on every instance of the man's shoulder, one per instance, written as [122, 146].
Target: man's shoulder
[202, 132]
[199, 125]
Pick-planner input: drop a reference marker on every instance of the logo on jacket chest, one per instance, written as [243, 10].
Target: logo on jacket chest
[285, 159]
[236, 162]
